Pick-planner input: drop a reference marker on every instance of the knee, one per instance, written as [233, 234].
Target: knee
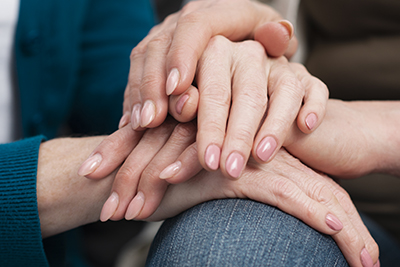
[237, 232]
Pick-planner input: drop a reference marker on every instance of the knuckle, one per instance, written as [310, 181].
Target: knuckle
[190, 17]
[150, 173]
[253, 48]
[160, 40]
[126, 177]
[184, 130]
[215, 96]
[284, 190]
[137, 52]
[321, 193]
[212, 128]
[244, 136]
[150, 81]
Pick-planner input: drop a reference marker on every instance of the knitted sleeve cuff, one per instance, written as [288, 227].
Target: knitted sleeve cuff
[20, 234]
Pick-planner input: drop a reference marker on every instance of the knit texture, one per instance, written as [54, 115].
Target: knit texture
[19, 219]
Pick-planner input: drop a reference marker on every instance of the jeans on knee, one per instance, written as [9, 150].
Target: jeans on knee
[238, 232]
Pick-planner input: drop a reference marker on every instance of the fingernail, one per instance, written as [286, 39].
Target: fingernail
[135, 206]
[136, 116]
[266, 148]
[181, 102]
[90, 165]
[148, 113]
[333, 222]
[366, 259]
[109, 207]
[171, 170]
[289, 27]
[211, 157]
[311, 121]
[124, 120]
[172, 81]
[377, 264]
[234, 164]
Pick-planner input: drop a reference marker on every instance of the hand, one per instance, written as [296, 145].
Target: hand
[292, 187]
[139, 157]
[173, 48]
[355, 138]
[237, 82]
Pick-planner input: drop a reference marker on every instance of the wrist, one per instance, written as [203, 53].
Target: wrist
[65, 199]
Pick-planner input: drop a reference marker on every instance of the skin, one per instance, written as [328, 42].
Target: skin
[66, 200]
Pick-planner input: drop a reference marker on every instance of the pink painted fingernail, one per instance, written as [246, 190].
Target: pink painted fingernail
[266, 148]
[289, 27]
[136, 116]
[124, 120]
[211, 157]
[171, 170]
[181, 102]
[311, 121]
[172, 81]
[90, 165]
[333, 222]
[234, 164]
[109, 207]
[366, 259]
[377, 264]
[135, 206]
[148, 113]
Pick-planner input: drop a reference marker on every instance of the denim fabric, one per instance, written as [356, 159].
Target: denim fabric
[237, 232]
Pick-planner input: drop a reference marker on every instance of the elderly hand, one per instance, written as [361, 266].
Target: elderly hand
[292, 187]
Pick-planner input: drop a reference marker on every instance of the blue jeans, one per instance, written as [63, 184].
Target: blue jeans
[236, 232]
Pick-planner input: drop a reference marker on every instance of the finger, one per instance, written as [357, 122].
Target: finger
[132, 98]
[110, 154]
[286, 95]
[349, 239]
[152, 87]
[236, 20]
[127, 178]
[151, 188]
[184, 107]
[186, 166]
[214, 81]
[315, 100]
[371, 250]
[277, 38]
[249, 103]
[276, 189]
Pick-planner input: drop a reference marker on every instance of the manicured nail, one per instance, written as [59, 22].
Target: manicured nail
[109, 207]
[289, 27]
[172, 81]
[135, 206]
[90, 165]
[311, 121]
[366, 259]
[148, 113]
[136, 116]
[333, 222]
[211, 157]
[171, 170]
[124, 120]
[377, 264]
[181, 102]
[266, 148]
[234, 164]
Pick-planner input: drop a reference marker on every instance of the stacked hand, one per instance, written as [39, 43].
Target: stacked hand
[246, 103]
